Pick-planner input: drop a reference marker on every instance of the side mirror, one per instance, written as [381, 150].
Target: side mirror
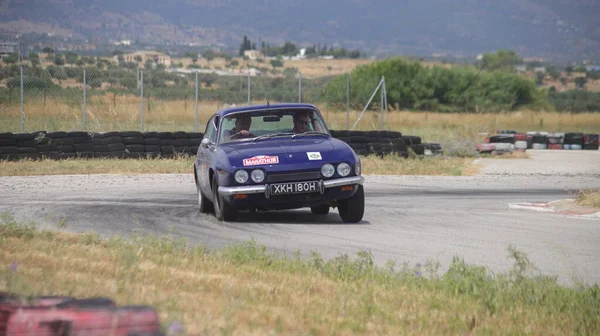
[204, 143]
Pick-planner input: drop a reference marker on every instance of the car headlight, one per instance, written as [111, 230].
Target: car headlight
[357, 168]
[343, 169]
[241, 176]
[327, 170]
[257, 175]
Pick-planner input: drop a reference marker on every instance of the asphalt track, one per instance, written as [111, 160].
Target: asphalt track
[409, 219]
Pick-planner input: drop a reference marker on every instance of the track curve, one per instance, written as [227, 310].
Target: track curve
[407, 219]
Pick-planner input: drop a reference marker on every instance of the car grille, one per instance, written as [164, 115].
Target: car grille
[288, 177]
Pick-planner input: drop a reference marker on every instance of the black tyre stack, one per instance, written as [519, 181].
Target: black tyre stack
[121, 145]
[135, 144]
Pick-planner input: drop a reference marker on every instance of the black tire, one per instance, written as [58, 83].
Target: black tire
[322, 209]
[223, 210]
[352, 209]
[204, 205]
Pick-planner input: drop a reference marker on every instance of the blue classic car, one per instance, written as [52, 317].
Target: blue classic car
[276, 157]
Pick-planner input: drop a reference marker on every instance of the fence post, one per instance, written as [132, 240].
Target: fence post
[196, 101]
[347, 101]
[84, 102]
[142, 100]
[300, 87]
[381, 107]
[367, 105]
[385, 104]
[22, 107]
[248, 88]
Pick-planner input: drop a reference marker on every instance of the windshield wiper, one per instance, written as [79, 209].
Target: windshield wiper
[271, 135]
[310, 133]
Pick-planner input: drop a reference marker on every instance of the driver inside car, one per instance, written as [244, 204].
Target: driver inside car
[242, 127]
[301, 122]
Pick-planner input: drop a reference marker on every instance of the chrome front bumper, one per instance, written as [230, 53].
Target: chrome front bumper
[262, 188]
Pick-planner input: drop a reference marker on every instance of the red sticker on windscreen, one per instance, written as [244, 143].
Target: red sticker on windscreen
[261, 160]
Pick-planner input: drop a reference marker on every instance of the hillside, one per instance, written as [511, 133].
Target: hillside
[557, 29]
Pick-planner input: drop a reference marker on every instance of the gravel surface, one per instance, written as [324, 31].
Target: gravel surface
[547, 163]
[407, 219]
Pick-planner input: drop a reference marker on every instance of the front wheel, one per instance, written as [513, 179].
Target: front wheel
[352, 209]
[223, 211]
[204, 205]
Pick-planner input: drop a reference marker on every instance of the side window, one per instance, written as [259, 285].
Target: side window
[211, 129]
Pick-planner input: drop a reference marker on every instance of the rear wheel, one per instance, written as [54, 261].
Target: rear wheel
[352, 209]
[322, 209]
[223, 210]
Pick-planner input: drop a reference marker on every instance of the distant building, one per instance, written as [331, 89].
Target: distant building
[595, 68]
[7, 48]
[253, 54]
[156, 57]
[521, 68]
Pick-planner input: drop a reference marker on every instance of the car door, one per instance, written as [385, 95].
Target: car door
[205, 156]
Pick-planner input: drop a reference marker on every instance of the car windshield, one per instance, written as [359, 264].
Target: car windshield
[262, 124]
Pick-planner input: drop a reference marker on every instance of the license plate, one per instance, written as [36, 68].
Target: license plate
[294, 188]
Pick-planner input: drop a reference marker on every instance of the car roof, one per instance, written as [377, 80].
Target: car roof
[247, 108]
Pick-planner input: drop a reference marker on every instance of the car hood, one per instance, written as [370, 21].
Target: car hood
[280, 154]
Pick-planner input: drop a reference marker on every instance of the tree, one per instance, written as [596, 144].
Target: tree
[539, 78]
[209, 55]
[504, 60]
[138, 58]
[58, 73]
[192, 55]
[34, 58]
[71, 57]
[246, 45]
[58, 60]
[290, 49]
[580, 82]
[563, 81]
[149, 64]
[276, 63]
[11, 59]
[48, 50]
[553, 72]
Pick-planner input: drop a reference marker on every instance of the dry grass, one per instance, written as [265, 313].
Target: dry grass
[588, 197]
[309, 68]
[243, 290]
[428, 165]
[183, 165]
[123, 113]
[180, 165]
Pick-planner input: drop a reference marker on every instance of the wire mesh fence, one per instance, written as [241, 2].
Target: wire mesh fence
[63, 98]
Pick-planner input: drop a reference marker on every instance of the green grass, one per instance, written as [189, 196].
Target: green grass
[245, 289]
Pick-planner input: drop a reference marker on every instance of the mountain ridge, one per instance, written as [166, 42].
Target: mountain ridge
[553, 29]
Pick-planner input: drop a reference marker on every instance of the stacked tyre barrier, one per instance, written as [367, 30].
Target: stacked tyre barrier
[508, 141]
[135, 144]
[129, 144]
[64, 315]
[381, 143]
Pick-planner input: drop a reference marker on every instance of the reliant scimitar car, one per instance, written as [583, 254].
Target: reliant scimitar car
[276, 157]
